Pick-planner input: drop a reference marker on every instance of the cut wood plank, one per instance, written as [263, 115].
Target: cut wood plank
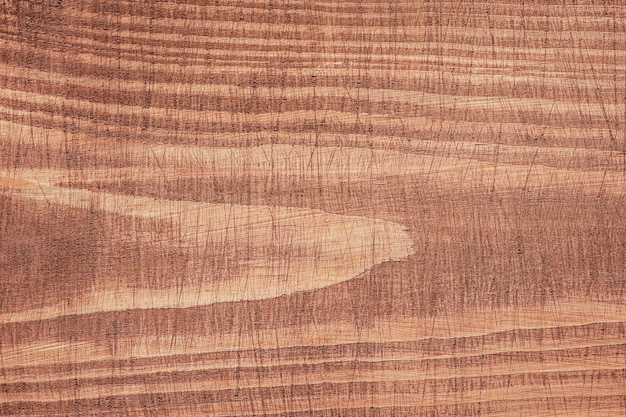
[312, 209]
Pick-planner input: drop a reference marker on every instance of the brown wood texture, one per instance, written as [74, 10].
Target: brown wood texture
[312, 208]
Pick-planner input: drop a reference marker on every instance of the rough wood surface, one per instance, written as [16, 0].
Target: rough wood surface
[312, 208]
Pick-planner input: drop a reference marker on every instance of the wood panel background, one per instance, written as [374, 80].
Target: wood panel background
[312, 208]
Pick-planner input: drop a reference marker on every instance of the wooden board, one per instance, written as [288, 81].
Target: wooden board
[312, 208]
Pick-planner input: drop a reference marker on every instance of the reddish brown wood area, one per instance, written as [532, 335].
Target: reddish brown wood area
[312, 208]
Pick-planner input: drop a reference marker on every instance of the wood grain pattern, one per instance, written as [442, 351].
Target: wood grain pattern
[312, 208]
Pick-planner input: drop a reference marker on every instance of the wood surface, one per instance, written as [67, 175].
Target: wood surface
[312, 208]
